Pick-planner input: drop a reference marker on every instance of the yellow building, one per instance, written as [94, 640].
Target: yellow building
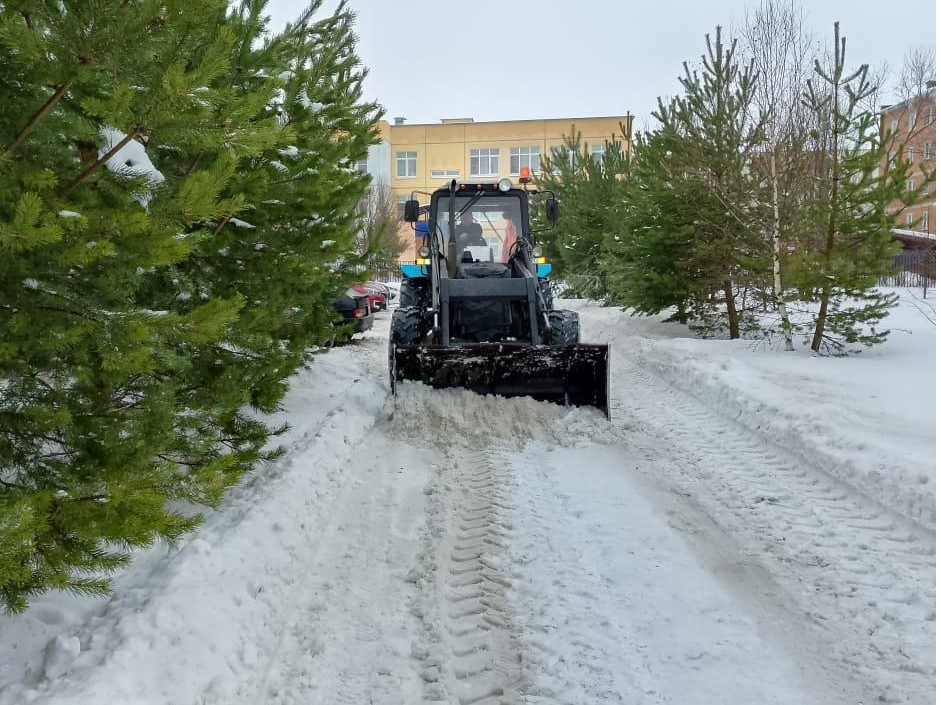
[423, 157]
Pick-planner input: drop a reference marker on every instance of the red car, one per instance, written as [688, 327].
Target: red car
[377, 300]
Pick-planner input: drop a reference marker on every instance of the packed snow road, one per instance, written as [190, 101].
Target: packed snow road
[477, 550]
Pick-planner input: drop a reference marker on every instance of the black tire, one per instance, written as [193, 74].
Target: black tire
[415, 292]
[545, 288]
[406, 329]
[565, 328]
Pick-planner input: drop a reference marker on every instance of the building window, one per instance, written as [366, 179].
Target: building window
[445, 173]
[924, 221]
[406, 164]
[928, 149]
[485, 162]
[925, 188]
[524, 156]
[911, 186]
[400, 204]
[891, 159]
[912, 117]
[910, 154]
[895, 125]
[909, 218]
[929, 115]
[597, 153]
[361, 166]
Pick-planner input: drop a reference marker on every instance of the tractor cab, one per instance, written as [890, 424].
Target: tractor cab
[487, 227]
[472, 224]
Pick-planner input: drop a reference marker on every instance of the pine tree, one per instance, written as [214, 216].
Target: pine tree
[687, 211]
[139, 314]
[715, 138]
[648, 264]
[587, 189]
[852, 244]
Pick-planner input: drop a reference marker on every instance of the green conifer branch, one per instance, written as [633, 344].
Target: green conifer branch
[35, 120]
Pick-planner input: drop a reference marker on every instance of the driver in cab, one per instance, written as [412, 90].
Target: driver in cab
[468, 233]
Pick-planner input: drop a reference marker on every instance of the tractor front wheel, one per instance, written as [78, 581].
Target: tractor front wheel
[415, 292]
[406, 331]
[565, 328]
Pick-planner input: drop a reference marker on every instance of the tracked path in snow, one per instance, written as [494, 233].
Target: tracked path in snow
[493, 551]
[861, 573]
[473, 550]
[470, 646]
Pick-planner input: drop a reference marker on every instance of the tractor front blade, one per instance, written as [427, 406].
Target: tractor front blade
[572, 375]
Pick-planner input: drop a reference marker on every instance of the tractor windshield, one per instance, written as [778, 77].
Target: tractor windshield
[485, 226]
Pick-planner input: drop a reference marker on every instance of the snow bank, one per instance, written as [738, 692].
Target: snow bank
[868, 420]
[192, 613]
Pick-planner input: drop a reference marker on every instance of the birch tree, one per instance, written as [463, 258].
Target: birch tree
[775, 38]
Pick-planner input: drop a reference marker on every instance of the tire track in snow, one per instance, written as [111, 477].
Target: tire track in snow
[853, 557]
[566, 661]
[471, 650]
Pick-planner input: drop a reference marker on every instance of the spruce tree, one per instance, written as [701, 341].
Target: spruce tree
[174, 189]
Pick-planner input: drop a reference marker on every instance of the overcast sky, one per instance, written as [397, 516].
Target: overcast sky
[514, 59]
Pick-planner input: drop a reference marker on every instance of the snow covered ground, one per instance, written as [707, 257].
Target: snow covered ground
[749, 527]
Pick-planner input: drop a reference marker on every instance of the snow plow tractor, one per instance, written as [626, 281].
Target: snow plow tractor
[475, 310]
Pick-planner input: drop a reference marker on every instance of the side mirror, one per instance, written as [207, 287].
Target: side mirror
[552, 210]
[411, 211]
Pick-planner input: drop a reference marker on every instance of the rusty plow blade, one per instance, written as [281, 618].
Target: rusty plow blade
[572, 375]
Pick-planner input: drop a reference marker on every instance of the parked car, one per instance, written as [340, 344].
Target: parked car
[385, 289]
[377, 299]
[354, 306]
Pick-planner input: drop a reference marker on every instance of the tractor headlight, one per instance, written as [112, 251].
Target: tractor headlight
[504, 184]
[424, 251]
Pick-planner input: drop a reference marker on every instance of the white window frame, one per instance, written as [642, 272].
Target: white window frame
[929, 115]
[909, 220]
[492, 158]
[911, 154]
[929, 150]
[924, 221]
[911, 186]
[362, 166]
[597, 153]
[891, 160]
[925, 188]
[445, 173]
[408, 160]
[527, 154]
[912, 120]
[895, 125]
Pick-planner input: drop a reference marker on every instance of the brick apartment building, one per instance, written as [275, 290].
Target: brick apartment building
[915, 141]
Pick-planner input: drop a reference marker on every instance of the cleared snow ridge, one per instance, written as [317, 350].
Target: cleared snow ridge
[445, 547]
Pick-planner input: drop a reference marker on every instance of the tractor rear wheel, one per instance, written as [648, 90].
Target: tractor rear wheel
[565, 327]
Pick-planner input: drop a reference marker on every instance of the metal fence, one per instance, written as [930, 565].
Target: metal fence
[917, 267]
[384, 273]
